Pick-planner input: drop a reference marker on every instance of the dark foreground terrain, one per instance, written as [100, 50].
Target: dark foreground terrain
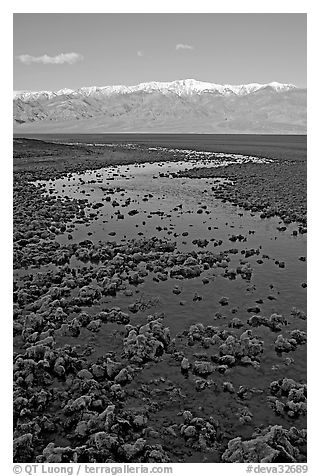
[159, 304]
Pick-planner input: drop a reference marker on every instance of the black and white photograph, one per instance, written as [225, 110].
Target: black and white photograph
[159, 241]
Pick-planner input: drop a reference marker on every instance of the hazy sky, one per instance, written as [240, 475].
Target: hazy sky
[54, 51]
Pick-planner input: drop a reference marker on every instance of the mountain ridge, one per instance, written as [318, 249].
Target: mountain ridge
[182, 87]
[177, 106]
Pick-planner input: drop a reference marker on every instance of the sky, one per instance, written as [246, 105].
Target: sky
[54, 51]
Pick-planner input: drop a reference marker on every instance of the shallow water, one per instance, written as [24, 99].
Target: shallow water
[279, 146]
[168, 208]
[177, 200]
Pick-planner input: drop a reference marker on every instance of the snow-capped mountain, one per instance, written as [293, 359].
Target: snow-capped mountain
[179, 106]
[183, 87]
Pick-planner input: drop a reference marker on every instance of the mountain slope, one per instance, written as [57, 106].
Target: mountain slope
[179, 106]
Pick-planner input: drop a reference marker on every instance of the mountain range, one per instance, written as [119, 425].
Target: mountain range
[183, 106]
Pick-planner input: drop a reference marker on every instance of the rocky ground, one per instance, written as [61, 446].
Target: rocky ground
[97, 382]
[277, 189]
